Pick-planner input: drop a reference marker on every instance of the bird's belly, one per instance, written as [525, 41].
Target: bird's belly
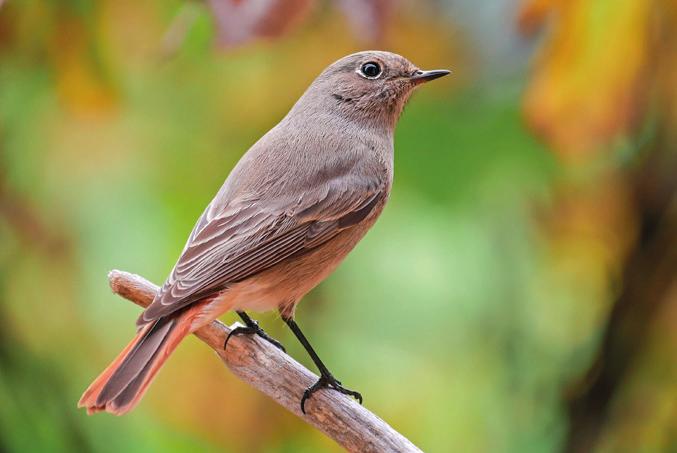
[282, 286]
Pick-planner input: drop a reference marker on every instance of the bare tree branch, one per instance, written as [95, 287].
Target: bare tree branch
[283, 379]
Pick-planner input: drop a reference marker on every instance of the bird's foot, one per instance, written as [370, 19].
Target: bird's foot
[253, 328]
[328, 381]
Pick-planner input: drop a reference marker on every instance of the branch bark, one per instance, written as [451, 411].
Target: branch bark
[283, 379]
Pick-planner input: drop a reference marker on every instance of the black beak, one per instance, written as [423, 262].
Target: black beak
[426, 76]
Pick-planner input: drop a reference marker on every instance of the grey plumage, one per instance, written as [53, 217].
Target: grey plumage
[290, 211]
[330, 157]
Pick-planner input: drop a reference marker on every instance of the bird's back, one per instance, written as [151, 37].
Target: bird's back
[300, 156]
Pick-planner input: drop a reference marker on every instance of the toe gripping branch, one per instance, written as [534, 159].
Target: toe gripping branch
[252, 328]
[328, 381]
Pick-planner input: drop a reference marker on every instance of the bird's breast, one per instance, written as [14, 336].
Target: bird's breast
[283, 286]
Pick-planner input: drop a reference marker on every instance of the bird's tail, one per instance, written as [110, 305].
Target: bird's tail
[120, 386]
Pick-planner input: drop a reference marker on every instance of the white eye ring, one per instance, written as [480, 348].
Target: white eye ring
[367, 69]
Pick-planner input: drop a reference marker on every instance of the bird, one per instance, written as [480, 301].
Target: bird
[289, 212]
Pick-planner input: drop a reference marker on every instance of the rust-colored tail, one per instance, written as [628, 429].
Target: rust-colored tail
[120, 386]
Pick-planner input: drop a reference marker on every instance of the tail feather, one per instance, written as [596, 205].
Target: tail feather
[131, 372]
[88, 398]
[122, 384]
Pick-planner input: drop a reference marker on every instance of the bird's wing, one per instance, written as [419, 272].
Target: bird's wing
[252, 235]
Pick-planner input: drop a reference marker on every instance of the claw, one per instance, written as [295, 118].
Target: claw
[253, 329]
[327, 381]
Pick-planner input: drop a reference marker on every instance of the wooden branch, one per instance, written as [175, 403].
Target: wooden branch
[264, 367]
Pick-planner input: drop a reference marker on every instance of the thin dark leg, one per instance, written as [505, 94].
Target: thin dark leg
[326, 378]
[252, 327]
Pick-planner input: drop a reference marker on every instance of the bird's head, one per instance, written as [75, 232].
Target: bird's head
[370, 85]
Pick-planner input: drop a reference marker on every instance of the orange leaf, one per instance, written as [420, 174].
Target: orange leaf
[586, 86]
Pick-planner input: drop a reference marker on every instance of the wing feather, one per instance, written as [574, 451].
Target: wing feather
[253, 236]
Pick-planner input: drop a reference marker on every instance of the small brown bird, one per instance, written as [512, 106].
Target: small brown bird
[290, 211]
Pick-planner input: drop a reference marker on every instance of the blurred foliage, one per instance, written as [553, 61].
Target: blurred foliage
[524, 268]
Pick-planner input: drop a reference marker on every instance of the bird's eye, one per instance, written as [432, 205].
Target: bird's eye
[370, 70]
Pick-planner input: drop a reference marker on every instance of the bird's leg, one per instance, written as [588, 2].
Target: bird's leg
[326, 378]
[252, 327]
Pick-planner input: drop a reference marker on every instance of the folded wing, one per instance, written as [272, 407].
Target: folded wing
[254, 234]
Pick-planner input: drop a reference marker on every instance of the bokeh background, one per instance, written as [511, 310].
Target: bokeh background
[518, 294]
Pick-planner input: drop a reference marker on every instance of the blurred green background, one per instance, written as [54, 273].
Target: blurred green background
[518, 294]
